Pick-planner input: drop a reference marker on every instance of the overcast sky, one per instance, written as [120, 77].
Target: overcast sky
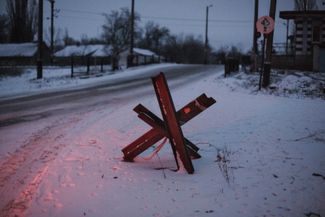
[230, 20]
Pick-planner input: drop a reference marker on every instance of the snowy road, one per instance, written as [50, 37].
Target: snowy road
[38, 106]
[34, 129]
[262, 155]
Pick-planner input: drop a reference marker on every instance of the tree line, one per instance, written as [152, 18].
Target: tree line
[154, 37]
[19, 25]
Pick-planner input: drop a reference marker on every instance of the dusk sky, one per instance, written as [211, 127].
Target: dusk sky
[230, 21]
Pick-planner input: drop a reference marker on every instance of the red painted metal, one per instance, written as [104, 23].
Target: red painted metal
[175, 133]
[182, 148]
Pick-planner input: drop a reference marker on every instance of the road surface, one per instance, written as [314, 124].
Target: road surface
[35, 129]
[13, 111]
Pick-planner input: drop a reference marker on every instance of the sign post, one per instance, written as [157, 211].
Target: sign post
[264, 25]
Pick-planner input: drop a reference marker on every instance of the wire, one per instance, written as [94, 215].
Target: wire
[155, 152]
[227, 23]
[83, 18]
[82, 11]
[196, 20]
[163, 18]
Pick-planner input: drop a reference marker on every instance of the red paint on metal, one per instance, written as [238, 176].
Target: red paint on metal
[187, 110]
[167, 108]
[183, 149]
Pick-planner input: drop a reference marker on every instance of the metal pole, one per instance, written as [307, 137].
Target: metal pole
[206, 35]
[40, 40]
[88, 65]
[132, 28]
[130, 56]
[72, 66]
[269, 46]
[262, 63]
[52, 29]
[287, 35]
[305, 5]
[255, 47]
[254, 27]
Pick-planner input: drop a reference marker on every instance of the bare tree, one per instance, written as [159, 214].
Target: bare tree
[184, 49]
[58, 37]
[305, 5]
[67, 39]
[22, 20]
[193, 50]
[153, 36]
[172, 50]
[116, 32]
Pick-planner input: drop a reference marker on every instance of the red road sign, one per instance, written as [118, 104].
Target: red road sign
[265, 25]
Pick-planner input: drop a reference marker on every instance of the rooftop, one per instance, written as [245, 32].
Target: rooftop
[98, 50]
[19, 49]
[299, 14]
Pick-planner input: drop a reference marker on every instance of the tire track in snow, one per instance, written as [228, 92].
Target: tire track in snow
[22, 172]
[18, 206]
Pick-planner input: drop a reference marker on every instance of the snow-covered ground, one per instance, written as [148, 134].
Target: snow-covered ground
[58, 79]
[283, 83]
[262, 155]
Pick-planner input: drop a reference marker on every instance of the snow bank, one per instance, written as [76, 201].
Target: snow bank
[283, 83]
[58, 79]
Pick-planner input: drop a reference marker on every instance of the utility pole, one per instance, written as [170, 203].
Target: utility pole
[206, 35]
[255, 46]
[269, 47]
[287, 37]
[305, 5]
[131, 56]
[40, 40]
[52, 29]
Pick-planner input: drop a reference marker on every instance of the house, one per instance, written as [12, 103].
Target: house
[99, 50]
[22, 54]
[141, 57]
[96, 54]
[309, 38]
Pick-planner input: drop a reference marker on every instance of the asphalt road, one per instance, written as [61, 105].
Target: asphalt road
[35, 107]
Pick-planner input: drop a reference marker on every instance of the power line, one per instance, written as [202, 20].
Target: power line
[196, 20]
[82, 12]
[188, 22]
[213, 25]
[83, 18]
[162, 18]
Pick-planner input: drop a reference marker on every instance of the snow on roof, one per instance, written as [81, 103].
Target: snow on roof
[144, 52]
[98, 50]
[20, 49]
[102, 51]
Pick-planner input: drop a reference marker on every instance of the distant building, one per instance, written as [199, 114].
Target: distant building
[141, 57]
[98, 50]
[309, 38]
[21, 54]
[94, 54]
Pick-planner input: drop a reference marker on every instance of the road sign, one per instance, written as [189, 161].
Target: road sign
[265, 25]
[169, 127]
